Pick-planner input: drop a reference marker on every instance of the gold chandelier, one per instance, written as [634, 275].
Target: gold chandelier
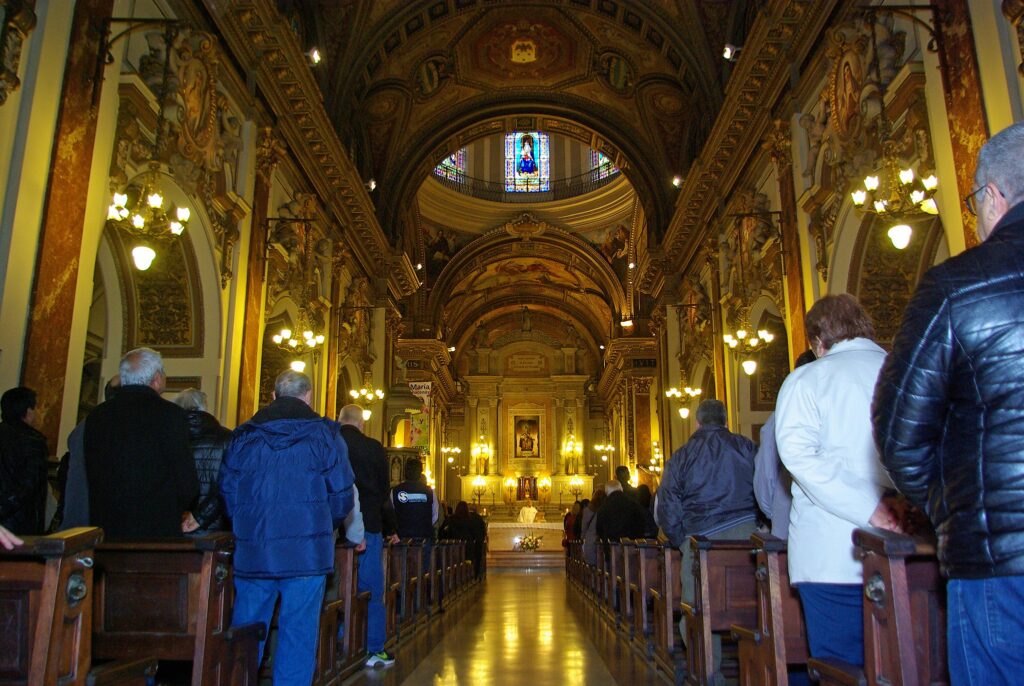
[745, 345]
[142, 210]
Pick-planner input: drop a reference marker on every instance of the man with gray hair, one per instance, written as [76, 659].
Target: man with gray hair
[373, 481]
[948, 416]
[139, 469]
[287, 485]
[708, 490]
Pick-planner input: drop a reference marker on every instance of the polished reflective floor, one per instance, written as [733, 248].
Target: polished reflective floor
[520, 628]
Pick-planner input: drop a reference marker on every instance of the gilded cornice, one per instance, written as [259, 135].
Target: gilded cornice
[257, 35]
[402, 278]
[435, 359]
[784, 33]
[616, 360]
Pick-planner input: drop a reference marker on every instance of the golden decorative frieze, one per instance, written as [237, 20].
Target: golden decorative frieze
[19, 18]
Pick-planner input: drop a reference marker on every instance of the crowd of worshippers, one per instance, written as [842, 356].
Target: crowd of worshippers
[927, 439]
[286, 483]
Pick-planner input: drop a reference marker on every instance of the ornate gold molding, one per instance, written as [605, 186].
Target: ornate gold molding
[19, 18]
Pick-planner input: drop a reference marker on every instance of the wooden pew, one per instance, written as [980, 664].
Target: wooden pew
[665, 601]
[644, 577]
[725, 593]
[418, 581]
[345, 609]
[613, 560]
[904, 615]
[46, 632]
[391, 592]
[627, 552]
[172, 599]
[779, 637]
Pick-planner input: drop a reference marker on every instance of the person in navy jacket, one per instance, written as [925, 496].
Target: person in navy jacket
[287, 485]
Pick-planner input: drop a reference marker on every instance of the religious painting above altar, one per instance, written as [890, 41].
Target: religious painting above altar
[527, 437]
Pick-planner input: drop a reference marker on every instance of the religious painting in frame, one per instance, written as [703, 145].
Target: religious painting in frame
[526, 436]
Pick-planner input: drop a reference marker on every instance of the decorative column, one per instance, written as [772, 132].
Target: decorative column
[780, 149]
[45, 361]
[641, 398]
[717, 347]
[968, 124]
[269, 152]
[18, 20]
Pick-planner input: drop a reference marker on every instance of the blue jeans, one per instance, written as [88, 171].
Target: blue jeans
[985, 626]
[834, 615]
[298, 622]
[371, 578]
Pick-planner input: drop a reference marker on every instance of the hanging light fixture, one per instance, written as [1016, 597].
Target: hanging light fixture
[745, 345]
[142, 210]
[895, 192]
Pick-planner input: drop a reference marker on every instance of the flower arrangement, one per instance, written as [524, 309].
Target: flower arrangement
[527, 542]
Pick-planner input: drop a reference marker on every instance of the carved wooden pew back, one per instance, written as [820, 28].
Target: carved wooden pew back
[725, 593]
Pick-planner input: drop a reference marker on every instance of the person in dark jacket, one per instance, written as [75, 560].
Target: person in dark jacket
[287, 485]
[708, 490]
[624, 478]
[415, 507]
[461, 526]
[209, 441]
[75, 495]
[139, 469]
[620, 516]
[479, 525]
[948, 417]
[23, 455]
[370, 465]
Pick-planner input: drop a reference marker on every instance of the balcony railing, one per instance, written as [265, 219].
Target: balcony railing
[559, 189]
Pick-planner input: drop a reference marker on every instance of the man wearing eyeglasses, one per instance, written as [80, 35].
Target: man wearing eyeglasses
[948, 417]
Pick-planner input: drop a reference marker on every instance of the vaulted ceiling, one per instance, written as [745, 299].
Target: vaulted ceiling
[409, 82]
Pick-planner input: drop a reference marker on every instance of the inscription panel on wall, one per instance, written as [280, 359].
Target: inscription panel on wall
[526, 364]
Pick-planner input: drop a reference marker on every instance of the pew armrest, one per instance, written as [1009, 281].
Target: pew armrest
[742, 633]
[831, 672]
[122, 672]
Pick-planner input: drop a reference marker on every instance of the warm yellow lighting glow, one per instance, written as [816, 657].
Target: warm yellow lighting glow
[684, 412]
[917, 197]
[113, 213]
[880, 206]
[859, 197]
[120, 199]
[184, 214]
[177, 228]
[314, 56]
[155, 200]
[367, 414]
[749, 367]
[673, 393]
[741, 334]
[319, 338]
[626, 323]
[277, 338]
[143, 256]
[929, 206]
[286, 333]
[871, 183]
[479, 481]
[906, 176]
[138, 221]
[930, 182]
[677, 181]
[900, 236]
[298, 366]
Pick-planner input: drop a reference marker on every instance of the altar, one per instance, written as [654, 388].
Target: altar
[501, 535]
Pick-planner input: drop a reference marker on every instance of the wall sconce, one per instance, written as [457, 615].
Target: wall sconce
[729, 52]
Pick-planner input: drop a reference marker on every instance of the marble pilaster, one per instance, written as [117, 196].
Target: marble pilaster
[45, 362]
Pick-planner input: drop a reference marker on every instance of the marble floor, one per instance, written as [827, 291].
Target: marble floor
[522, 628]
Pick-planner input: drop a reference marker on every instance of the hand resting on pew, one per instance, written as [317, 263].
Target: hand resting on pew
[887, 515]
[8, 539]
[188, 523]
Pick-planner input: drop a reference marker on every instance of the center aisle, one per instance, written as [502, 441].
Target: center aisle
[519, 631]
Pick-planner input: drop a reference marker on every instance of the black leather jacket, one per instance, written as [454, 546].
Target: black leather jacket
[22, 478]
[209, 440]
[948, 412]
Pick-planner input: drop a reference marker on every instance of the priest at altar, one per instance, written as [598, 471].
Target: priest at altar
[528, 513]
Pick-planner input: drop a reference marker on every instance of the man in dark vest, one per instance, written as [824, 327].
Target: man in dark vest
[416, 508]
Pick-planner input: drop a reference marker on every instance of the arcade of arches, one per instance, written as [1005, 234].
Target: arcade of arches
[524, 222]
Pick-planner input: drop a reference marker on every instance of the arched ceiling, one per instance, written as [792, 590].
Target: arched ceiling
[640, 80]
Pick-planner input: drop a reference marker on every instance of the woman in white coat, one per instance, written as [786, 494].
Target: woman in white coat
[823, 431]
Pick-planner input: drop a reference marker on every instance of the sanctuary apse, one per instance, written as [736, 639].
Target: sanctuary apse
[613, 198]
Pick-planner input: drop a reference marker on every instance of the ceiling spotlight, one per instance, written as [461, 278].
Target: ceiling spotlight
[419, 266]
[314, 56]
[371, 185]
[729, 52]
[677, 181]
[632, 265]
[451, 348]
[601, 347]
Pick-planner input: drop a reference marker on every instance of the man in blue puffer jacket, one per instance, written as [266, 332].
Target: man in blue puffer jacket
[287, 485]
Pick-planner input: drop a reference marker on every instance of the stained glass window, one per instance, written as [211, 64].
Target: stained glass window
[453, 167]
[527, 162]
[602, 164]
